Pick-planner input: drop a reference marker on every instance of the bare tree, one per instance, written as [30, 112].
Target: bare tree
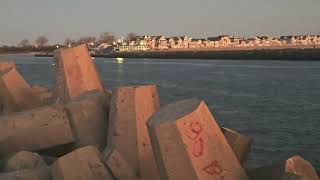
[131, 37]
[42, 41]
[88, 39]
[68, 42]
[24, 43]
[107, 37]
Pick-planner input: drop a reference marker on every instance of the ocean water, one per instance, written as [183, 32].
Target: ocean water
[275, 102]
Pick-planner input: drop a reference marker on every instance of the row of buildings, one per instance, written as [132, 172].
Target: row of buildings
[143, 43]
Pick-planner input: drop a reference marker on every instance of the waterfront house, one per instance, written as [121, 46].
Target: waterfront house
[185, 41]
[123, 48]
[127, 48]
[250, 42]
[138, 48]
[213, 42]
[221, 41]
[143, 40]
[171, 43]
[175, 42]
[236, 41]
[262, 41]
[196, 43]
[242, 43]
[288, 40]
[313, 39]
[159, 42]
[275, 42]
[210, 42]
[103, 46]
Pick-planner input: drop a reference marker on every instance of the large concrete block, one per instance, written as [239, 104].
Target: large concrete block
[24, 160]
[293, 168]
[34, 130]
[76, 73]
[188, 144]
[5, 65]
[15, 92]
[119, 166]
[44, 94]
[239, 143]
[88, 117]
[43, 173]
[82, 164]
[129, 110]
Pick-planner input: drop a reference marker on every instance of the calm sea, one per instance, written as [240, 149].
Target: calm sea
[275, 102]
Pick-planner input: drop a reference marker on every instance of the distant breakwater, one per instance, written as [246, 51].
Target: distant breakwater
[257, 54]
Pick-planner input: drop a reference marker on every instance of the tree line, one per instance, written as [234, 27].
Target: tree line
[106, 37]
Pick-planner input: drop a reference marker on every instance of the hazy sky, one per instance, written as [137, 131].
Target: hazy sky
[58, 19]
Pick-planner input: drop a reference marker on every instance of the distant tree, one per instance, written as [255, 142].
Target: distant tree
[87, 39]
[24, 43]
[68, 41]
[42, 41]
[107, 37]
[131, 37]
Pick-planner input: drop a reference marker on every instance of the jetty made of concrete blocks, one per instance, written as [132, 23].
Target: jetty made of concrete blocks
[80, 130]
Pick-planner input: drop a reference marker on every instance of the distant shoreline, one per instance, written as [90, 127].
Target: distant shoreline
[253, 54]
[18, 53]
[223, 54]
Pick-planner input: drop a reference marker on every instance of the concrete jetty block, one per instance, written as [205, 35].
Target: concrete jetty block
[5, 65]
[45, 95]
[239, 143]
[88, 117]
[188, 144]
[43, 173]
[118, 166]
[34, 130]
[82, 164]
[75, 73]
[129, 110]
[24, 160]
[15, 92]
[293, 168]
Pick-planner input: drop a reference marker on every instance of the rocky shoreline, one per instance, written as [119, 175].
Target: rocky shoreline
[253, 54]
[82, 130]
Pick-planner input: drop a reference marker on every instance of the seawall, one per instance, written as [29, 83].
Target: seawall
[263, 54]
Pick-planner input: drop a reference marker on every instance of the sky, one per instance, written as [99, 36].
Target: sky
[59, 19]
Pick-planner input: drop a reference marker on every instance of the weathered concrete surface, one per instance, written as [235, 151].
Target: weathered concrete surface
[15, 92]
[76, 73]
[43, 173]
[295, 166]
[129, 110]
[82, 164]
[88, 117]
[24, 160]
[188, 144]
[34, 130]
[119, 167]
[239, 143]
[5, 65]
[45, 95]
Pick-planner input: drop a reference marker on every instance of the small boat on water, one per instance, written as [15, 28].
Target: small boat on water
[119, 60]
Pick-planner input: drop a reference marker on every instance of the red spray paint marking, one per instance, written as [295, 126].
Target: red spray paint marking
[214, 168]
[195, 129]
[198, 147]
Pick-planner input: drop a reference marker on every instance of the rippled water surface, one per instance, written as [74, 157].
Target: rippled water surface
[275, 102]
